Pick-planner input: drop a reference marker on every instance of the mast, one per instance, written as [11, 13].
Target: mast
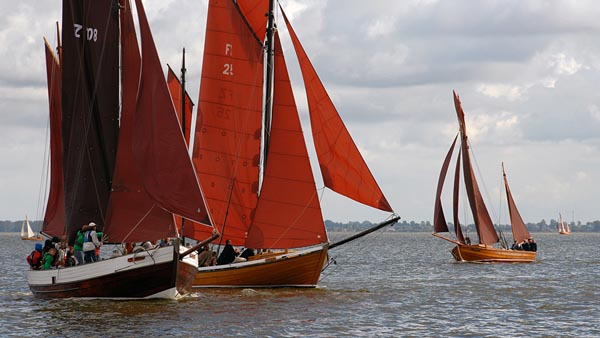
[183, 124]
[269, 78]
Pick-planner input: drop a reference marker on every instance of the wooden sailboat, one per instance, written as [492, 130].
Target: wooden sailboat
[484, 251]
[27, 234]
[254, 168]
[130, 178]
[563, 228]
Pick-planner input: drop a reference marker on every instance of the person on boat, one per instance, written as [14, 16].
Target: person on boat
[70, 259]
[204, 256]
[467, 240]
[49, 259]
[532, 244]
[90, 243]
[228, 254]
[247, 253]
[525, 246]
[78, 244]
[35, 257]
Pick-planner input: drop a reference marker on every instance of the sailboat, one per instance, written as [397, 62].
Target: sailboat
[27, 233]
[562, 227]
[484, 251]
[127, 170]
[254, 168]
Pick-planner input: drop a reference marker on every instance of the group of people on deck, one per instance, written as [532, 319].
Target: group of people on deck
[207, 257]
[57, 253]
[527, 245]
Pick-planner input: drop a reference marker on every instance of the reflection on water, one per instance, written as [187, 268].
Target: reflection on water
[392, 284]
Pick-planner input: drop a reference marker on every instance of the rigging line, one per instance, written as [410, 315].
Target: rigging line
[43, 189]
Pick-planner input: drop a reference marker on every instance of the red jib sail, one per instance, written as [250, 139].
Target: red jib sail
[132, 215]
[227, 137]
[288, 214]
[159, 148]
[54, 218]
[342, 166]
[439, 220]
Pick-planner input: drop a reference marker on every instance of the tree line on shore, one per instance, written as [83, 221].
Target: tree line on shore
[402, 226]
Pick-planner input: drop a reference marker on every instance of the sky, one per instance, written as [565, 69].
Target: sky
[527, 72]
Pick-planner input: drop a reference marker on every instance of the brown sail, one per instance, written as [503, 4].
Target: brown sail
[457, 229]
[439, 221]
[519, 229]
[54, 217]
[90, 102]
[485, 227]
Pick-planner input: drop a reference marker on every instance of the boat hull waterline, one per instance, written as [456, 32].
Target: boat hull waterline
[155, 273]
[488, 254]
[293, 269]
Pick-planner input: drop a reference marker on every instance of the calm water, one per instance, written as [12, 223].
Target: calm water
[387, 285]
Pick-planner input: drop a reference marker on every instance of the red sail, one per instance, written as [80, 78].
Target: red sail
[288, 214]
[130, 207]
[54, 218]
[159, 148]
[255, 13]
[485, 228]
[227, 137]
[439, 220]
[90, 101]
[519, 229]
[342, 166]
[175, 90]
[457, 228]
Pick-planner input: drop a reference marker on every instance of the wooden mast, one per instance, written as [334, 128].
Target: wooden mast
[269, 78]
[183, 97]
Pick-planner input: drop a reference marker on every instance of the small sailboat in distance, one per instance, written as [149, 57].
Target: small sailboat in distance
[563, 228]
[27, 234]
[484, 251]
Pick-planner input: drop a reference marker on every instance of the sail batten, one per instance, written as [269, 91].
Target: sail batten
[342, 166]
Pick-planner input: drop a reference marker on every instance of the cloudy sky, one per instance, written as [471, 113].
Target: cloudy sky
[528, 74]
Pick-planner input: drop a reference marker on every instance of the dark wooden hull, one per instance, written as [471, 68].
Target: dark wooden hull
[131, 276]
[295, 269]
[483, 254]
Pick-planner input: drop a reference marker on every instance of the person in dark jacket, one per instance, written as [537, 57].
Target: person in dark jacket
[228, 254]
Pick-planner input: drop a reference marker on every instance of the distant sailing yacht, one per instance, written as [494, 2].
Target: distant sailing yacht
[563, 228]
[27, 233]
[464, 251]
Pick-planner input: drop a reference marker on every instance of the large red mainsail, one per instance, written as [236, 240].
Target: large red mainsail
[485, 228]
[288, 214]
[342, 166]
[54, 218]
[227, 137]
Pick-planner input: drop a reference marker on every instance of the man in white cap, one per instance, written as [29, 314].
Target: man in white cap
[90, 243]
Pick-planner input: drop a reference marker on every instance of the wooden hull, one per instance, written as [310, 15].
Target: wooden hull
[39, 238]
[564, 233]
[294, 269]
[149, 274]
[476, 253]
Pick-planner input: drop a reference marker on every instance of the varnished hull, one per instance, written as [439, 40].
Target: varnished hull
[476, 253]
[295, 269]
[151, 274]
[32, 238]
[564, 233]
